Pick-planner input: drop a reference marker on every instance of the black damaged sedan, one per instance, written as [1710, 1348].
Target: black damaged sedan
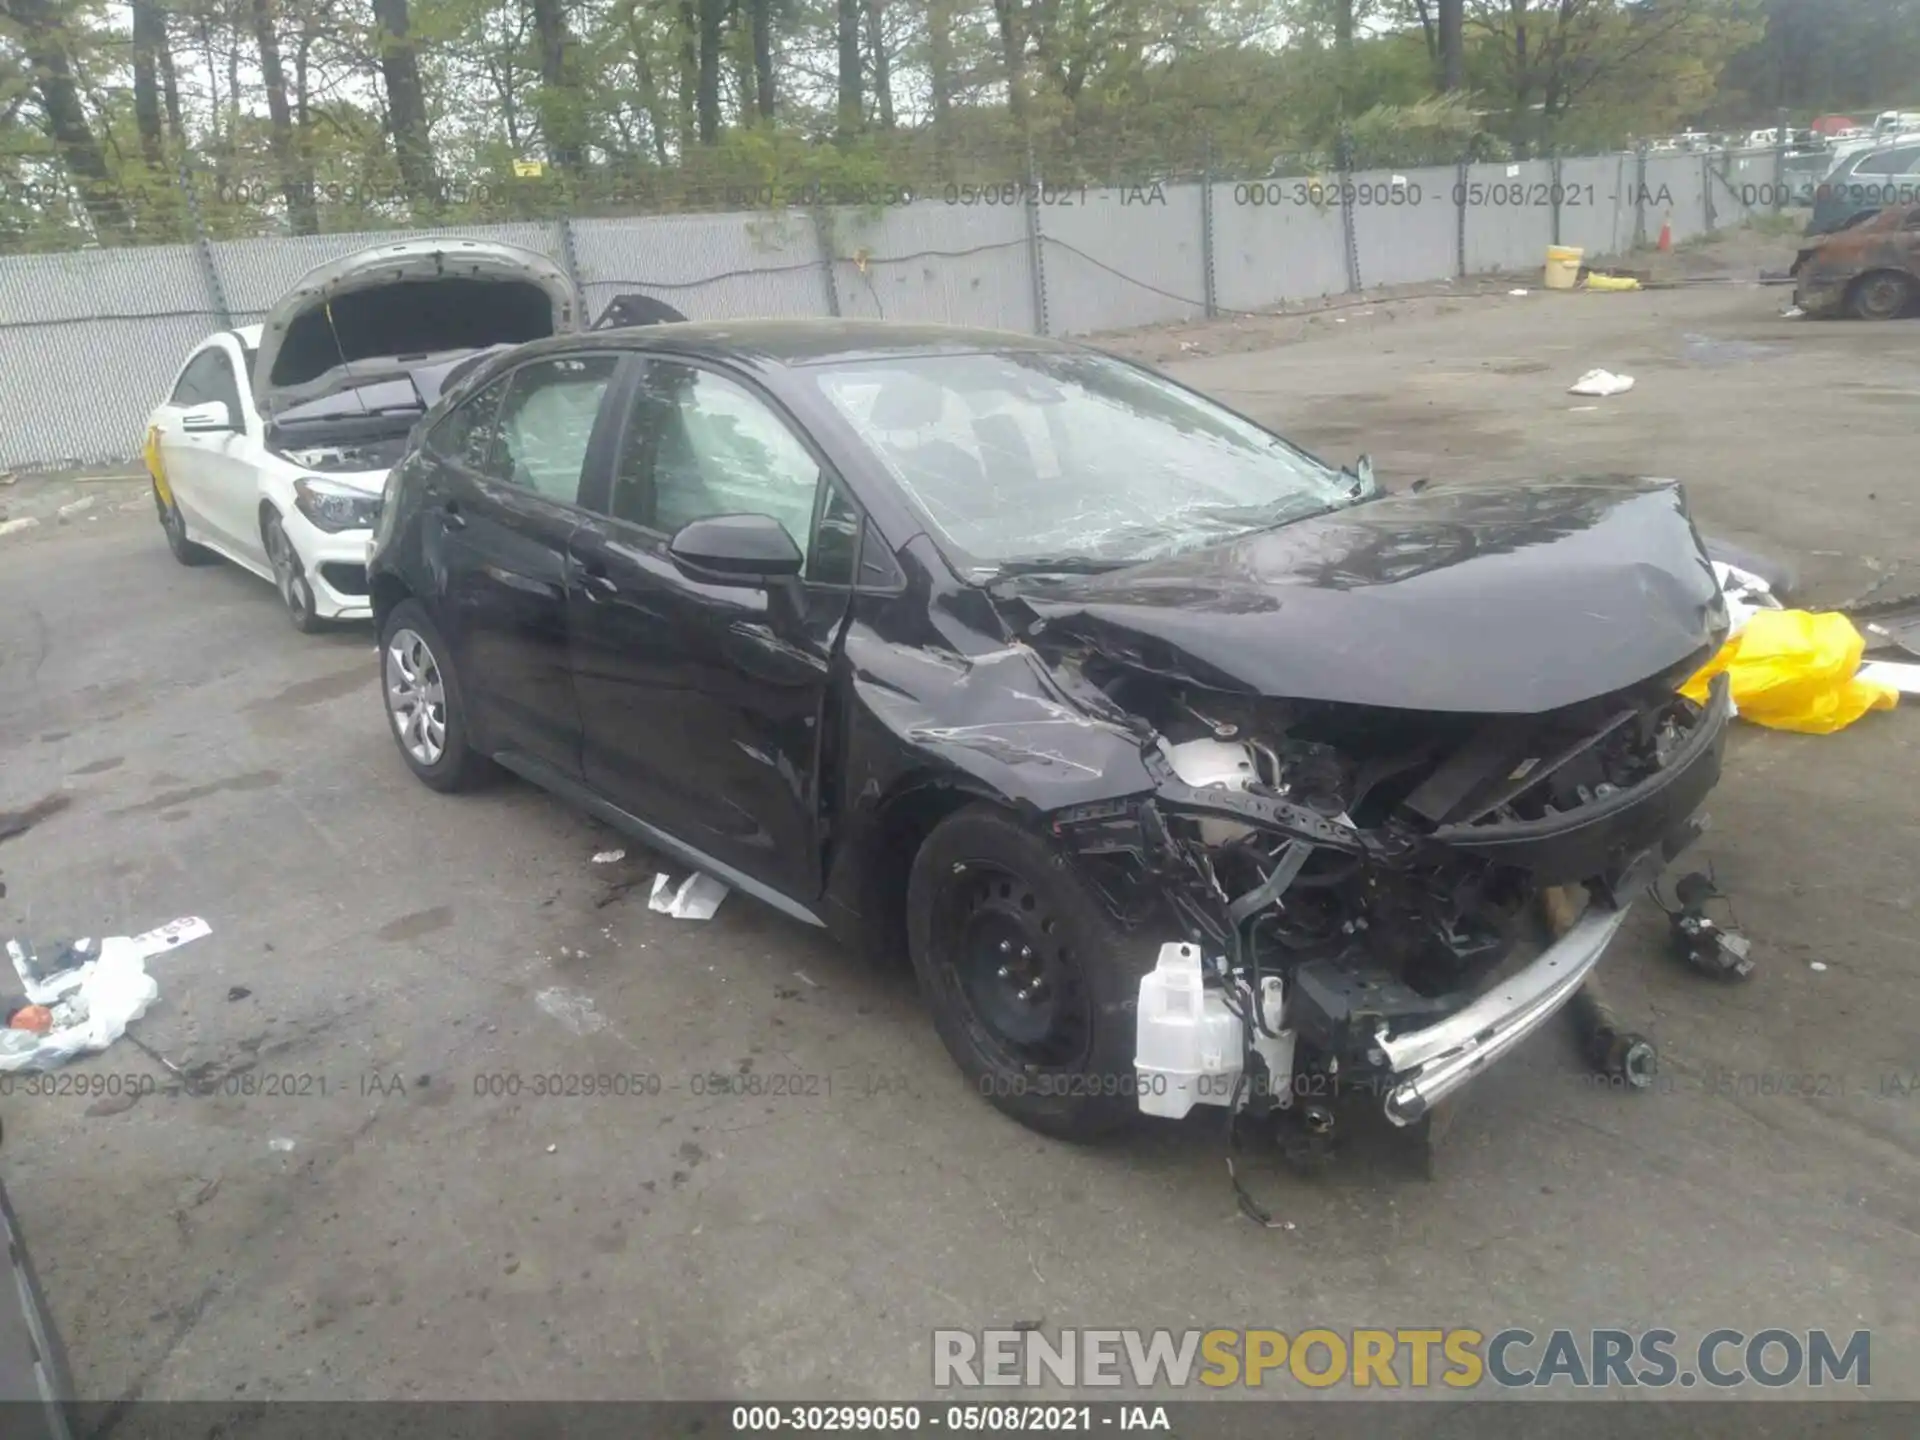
[1187, 768]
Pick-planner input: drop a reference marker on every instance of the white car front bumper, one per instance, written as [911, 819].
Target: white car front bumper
[336, 566]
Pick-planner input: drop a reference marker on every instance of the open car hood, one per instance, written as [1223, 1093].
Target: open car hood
[373, 315]
[1476, 600]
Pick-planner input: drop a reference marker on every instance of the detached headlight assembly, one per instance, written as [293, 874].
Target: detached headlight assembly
[335, 508]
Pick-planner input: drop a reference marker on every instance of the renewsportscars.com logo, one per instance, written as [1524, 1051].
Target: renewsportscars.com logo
[1453, 1360]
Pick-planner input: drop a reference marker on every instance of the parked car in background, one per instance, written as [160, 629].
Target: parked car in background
[1802, 173]
[273, 444]
[1068, 681]
[1870, 270]
[1864, 182]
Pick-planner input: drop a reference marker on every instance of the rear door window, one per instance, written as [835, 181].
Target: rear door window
[546, 422]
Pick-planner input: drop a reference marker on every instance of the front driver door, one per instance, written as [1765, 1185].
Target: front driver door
[703, 704]
[209, 473]
[502, 502]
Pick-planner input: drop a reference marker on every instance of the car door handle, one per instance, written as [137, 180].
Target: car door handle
[597, 584]
[451, 517]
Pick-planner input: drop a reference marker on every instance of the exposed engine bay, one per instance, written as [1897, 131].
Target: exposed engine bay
[1352, 879]
[350, 458]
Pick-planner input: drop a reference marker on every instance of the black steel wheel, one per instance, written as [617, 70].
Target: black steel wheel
[1033, 986]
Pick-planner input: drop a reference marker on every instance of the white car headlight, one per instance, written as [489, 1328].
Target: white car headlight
[334, 508]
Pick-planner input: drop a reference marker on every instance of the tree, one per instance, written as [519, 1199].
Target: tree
[1452, 56]
[940, 61]
[296, 179]
[47, 42]
[760, 24]
[851, 113]
[149, 44]
[560, 110]
[406, 101]
[882, 62]
[713, 14]
[1656, 55]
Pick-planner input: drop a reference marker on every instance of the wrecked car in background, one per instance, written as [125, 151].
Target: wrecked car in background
[1870, 270]
[1190, 769]
[273, 445]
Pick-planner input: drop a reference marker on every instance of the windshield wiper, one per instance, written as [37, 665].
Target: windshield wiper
[1058, 565]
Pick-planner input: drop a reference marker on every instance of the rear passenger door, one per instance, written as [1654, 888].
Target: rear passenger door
[509, 466]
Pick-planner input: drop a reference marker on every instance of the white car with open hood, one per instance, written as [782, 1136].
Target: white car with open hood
[272, 448]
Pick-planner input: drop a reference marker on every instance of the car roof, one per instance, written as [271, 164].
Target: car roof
[811, 341]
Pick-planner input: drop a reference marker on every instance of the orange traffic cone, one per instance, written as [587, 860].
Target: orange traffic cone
[1666, 234]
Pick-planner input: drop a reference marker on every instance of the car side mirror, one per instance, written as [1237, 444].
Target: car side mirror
[736, 550]
[209, 418]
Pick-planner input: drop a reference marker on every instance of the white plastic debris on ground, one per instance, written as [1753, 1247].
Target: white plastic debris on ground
[1746, 593]
[94, 1002]
[1601, 382]
[609, 857]
[571, 1009]
[697, 897]
[1904, 678]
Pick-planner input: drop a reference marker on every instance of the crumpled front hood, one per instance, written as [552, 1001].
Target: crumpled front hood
[1511, 600]
[371, 315]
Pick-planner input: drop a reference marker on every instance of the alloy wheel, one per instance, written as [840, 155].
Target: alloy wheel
[287, 572]
[416, 697]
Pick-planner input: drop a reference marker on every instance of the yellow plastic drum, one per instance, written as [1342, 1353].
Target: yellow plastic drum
[1563, 266]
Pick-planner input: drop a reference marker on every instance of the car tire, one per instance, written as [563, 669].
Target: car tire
[174, 525]
[290, 576]
[1880, 295]
[1033, 987]
[425, 705]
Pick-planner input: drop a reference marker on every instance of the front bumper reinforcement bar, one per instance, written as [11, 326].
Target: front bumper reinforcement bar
[1430, 1064]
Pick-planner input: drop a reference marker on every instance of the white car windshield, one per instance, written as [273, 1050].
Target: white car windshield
[1038, 459]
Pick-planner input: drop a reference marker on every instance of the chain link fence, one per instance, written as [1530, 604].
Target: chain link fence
[89, 338]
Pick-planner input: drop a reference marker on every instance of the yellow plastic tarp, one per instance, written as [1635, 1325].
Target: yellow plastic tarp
[1795, 670]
